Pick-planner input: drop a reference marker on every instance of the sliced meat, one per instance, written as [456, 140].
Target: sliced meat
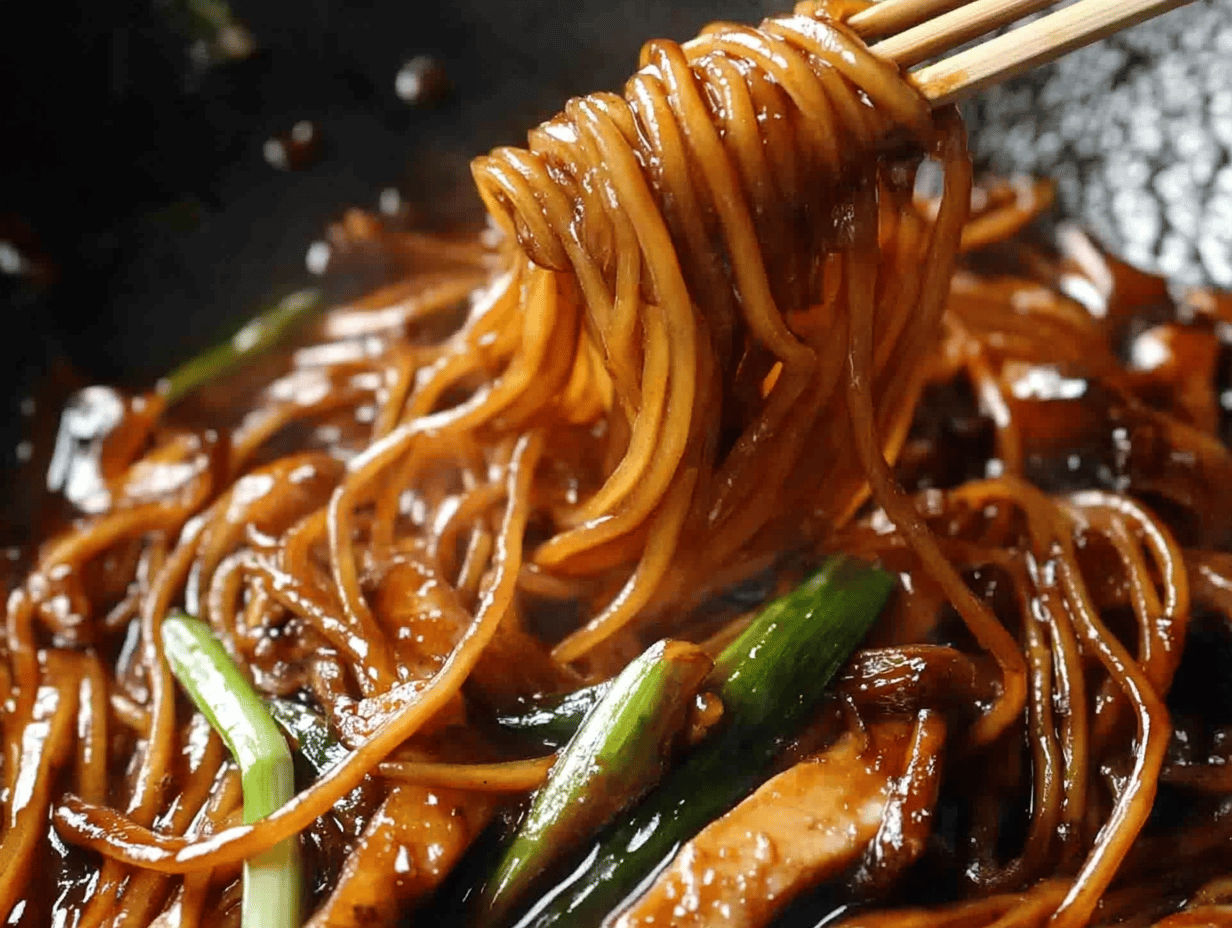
[808, 824]
[409, 846]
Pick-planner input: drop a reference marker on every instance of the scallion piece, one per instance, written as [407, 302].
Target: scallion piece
[621, 750]
[257, 335]
[316, 744]
[310, 733]
[272, 880]
[770, 679]
[551, 721]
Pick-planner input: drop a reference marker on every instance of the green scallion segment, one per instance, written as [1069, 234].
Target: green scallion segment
[272, 880]
[769, 679]
[316, 744]
[550, 722]
[258, 335]
[310, 733]
[620, 751]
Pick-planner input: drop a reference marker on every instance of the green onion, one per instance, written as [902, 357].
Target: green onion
[551, 721]
[620, 750]
[310, 733]
[314, 742]
[272, 880]
[259, 334]
[769, 679]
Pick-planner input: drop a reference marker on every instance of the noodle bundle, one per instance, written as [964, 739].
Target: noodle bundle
[719, 274]
[712, 333]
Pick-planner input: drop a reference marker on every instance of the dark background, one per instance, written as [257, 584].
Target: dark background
[132, 181]
[143, 177]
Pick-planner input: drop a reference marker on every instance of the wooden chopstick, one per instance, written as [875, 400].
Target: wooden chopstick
[891, 16]
[950, 30]
[1010, 54]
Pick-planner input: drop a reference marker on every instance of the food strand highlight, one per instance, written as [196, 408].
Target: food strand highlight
[714, 336]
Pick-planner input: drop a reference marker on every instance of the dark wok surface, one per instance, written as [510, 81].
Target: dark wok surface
[135, 180]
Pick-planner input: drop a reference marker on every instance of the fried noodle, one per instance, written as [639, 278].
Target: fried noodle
[712, 330]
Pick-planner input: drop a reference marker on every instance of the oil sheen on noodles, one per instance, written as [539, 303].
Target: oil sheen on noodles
[711, 333]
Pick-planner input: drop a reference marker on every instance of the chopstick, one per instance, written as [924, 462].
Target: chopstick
[914, 31]
[967, 22]
[893, 16]
[1049, 37]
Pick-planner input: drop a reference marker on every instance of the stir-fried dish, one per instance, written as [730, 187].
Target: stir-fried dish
[731, 534]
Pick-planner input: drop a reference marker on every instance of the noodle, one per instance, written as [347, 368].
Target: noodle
[713, 333]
